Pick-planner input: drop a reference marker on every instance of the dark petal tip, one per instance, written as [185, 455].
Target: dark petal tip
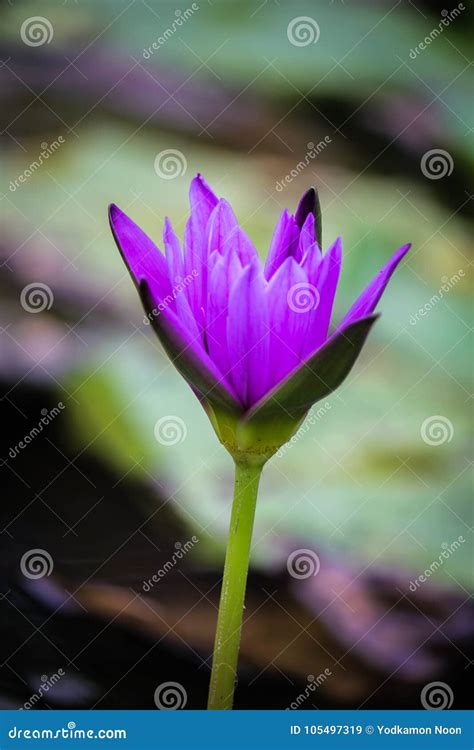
[306, 206]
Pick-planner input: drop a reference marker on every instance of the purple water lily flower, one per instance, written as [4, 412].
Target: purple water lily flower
[253, 340]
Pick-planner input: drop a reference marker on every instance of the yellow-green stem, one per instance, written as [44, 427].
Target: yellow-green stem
[231, 605]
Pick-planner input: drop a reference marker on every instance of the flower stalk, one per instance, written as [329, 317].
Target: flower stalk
[231, 605]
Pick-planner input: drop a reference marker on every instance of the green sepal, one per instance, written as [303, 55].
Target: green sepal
[259, 433]
[185, 360]
[315, 378]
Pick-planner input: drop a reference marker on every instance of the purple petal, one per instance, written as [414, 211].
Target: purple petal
[203, 201]
[244, 247]
[288, 319]
[311, 261]
[284, 243]
[141, 255]
[226, 270]
[272, 261]
[320, 374]
[221, 223]
[248, 335]
[193, 264]
[181, 285]
[172, 252]
[367, 301]
[308, 236]
[325, 282]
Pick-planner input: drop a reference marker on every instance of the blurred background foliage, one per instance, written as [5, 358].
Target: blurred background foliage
[360, 483]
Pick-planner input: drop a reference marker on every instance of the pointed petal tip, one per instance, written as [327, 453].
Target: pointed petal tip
[116, 220]
[368, 300]
[201, 181]
[168, 231]
[397, 256]
[309, 195]
[114, 211]
[307, 205]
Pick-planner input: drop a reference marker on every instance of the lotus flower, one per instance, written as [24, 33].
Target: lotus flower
[252, 340]
[254, 344]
